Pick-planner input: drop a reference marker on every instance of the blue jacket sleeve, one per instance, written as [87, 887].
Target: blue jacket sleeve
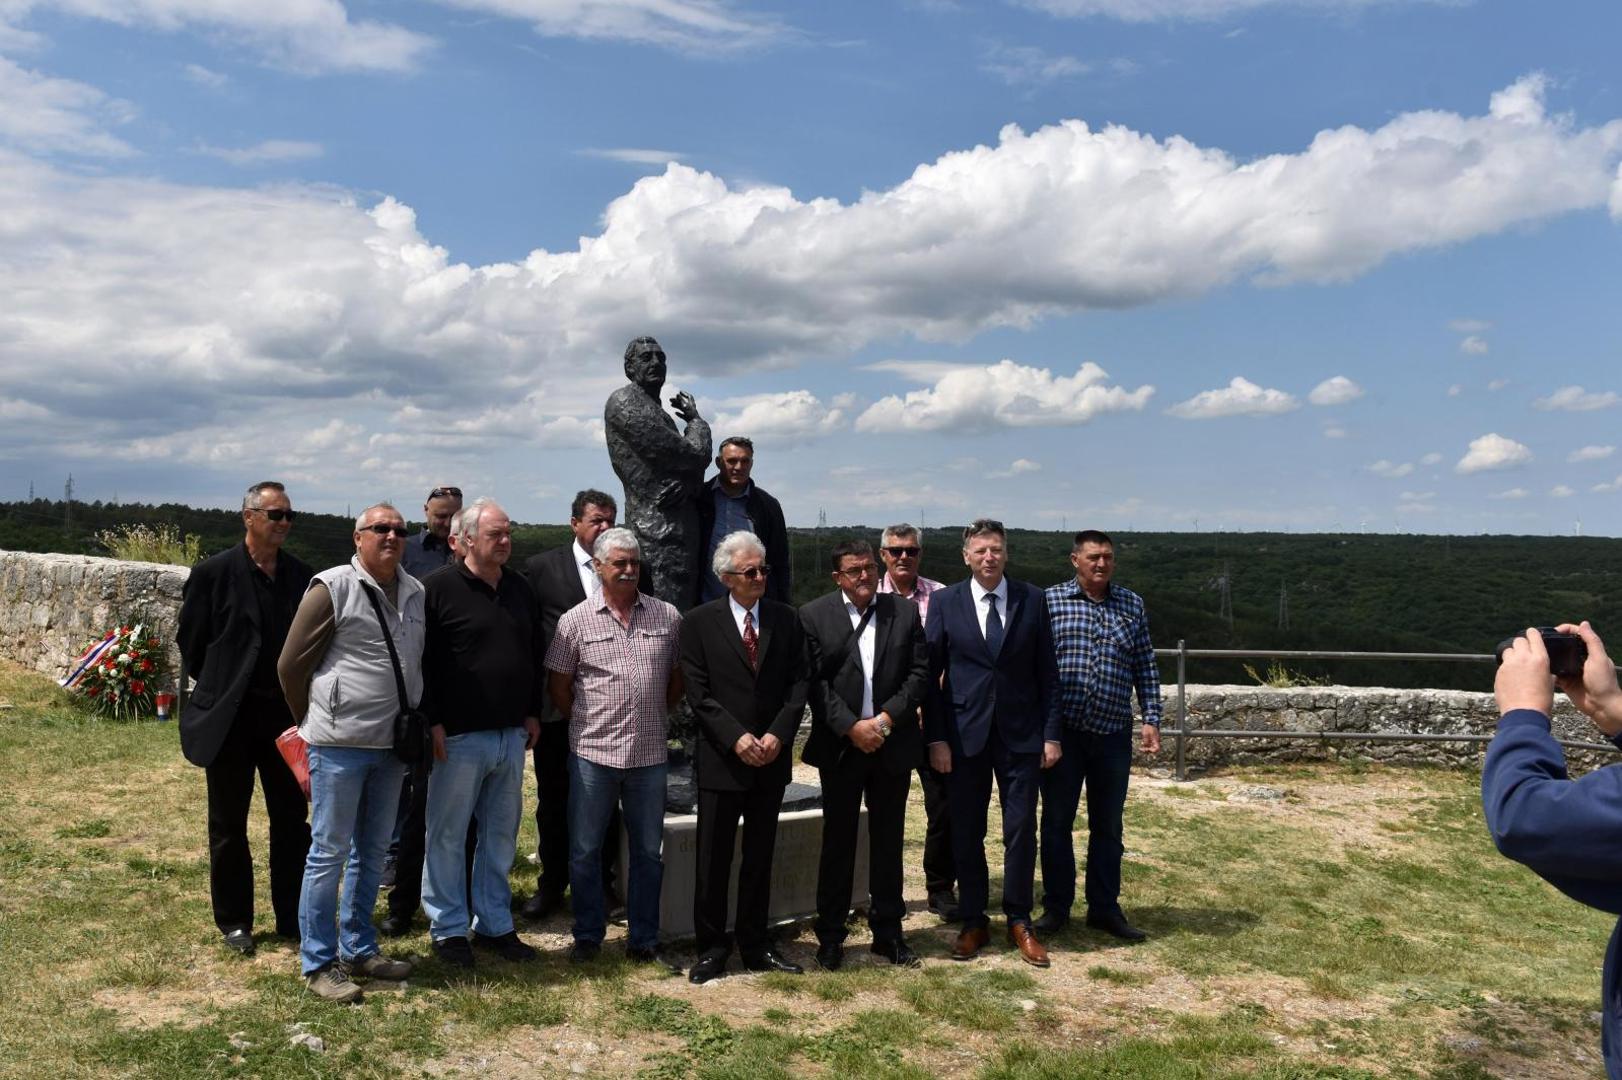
[1568, 832]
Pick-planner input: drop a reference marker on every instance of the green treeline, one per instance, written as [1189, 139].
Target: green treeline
[1373, 593]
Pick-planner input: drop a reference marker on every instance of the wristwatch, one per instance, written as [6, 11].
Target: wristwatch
[884, 729]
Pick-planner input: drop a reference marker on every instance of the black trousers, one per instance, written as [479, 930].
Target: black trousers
[250, 748]
[551, 758]
[859, 775]
[1017, 777]
[406, 896]
[1102, 765]
[718, 814]
[940, 868]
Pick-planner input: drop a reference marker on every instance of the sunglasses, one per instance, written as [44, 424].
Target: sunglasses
[857, 573]
[752, 572]
[384, 530]
[276, 515]
[453, 492]
[899, 551]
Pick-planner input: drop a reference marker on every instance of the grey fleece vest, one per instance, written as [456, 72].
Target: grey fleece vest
[353, 700]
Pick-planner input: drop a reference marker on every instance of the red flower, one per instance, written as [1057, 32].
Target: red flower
[92, 691]
[152, 643]
[146, 665]
[137, 686]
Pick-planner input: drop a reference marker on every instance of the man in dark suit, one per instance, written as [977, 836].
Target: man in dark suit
[869, 668]
[992, 710]
[562, 578]
[234, 615]
[743, 658]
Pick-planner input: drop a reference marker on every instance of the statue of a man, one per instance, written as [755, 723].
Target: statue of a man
[662, 470]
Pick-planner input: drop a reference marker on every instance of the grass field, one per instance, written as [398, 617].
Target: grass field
[1359, 926]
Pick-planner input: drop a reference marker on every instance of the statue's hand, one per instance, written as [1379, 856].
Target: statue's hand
[685, 406]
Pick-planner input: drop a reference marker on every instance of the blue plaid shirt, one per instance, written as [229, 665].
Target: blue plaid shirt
[1104, 651]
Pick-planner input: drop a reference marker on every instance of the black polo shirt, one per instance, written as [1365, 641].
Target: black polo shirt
[483, 663]
[277, 599]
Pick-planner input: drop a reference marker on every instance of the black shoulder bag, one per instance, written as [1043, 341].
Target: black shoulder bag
[412, 741]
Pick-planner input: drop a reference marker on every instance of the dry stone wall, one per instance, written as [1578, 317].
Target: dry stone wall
[52, 606]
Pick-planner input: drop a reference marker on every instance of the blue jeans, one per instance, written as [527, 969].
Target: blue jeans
[483, 774]
[353, 794]
[593, 791]
[1102, 764]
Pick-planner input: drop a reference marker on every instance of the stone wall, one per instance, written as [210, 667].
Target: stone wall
[52, 606]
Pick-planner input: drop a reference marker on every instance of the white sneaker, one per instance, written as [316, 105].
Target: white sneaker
[332, 983]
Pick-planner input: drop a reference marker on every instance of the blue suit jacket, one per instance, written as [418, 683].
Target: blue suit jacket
[970, 692]
[1566, 831]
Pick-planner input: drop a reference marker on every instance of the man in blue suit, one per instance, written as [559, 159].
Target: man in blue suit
[992, 711]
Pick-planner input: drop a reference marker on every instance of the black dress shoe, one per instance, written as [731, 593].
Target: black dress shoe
[541, 904]
[652, 956]
[772, 960]
[239, 940]
[454, 951]
[830, 955]
[1051, 922]
[944, 904]
[392, 925]
[898, 952]
[583, 952]
[1115, 924]
[706, 968]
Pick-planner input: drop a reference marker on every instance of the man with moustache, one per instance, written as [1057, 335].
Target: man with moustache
[614, 676]
[901, 547]
[731, 502]
[234, 614]
[354, 648]
[562, 578]
[484, 677]
[744, 661]
[992, 711]
[869, 669]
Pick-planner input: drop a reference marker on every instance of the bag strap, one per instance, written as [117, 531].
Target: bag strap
[388, 639]
[855, 637]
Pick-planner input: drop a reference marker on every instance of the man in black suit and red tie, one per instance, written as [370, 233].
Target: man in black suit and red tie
[869, 668]
[992, 710]
[562, 578]
[744, 661]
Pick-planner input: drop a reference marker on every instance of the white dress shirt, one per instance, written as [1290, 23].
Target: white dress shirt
[583, 562]
[864, 649]
[980, 593]
[737, 614]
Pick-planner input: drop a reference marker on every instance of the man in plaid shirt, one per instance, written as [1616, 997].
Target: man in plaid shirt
[614, 674]
[1101, 636]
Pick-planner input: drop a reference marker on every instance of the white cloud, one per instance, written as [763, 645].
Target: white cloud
[1512, 493]
[1005, 394]
[1240, 397]
[1493, 451]
[1416, 496]
[1455, 390]
[1576, 399]
[59, 116]
[1469, 326]
[203, 76]
[1561, 491]
[268, 151]
[1026, 65]
[1432, 458]
[1333, 430]
[1171, 10]
[693, 25]
[791, 415]
[1591, 453]
[1018, 467]
[1391, 470]
[1608, 486]
[1335, 391]
[1497, 385]
[633, 155]
[1474, 345]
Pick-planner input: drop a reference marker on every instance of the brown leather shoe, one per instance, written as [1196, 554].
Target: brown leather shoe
[1030, 950]
[970, 942]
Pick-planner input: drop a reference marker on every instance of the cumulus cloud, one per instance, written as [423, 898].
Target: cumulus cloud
[1497, 384]
[1576, 399]
[1018, 467]
[263, 153]
[1455, 390]
[1493, 451]
[1391, 470]
[1432, 458]
[1512, 493]
[1005, 394]
[1561, 491]
[59, 116]
[1199, 10]
[791, 415]
[1333, 430]
[691, 25]
[1240, 397]
[1591, 453]
[1474, 345]
[1608, 486]
[1335, 391]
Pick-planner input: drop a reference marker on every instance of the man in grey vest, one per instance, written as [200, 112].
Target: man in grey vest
[353, 650]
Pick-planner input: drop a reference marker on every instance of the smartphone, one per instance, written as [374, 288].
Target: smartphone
[1567, 653]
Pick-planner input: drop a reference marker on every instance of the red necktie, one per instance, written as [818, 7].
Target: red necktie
[750, 641]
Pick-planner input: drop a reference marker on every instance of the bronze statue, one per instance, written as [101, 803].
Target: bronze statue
[662, 470]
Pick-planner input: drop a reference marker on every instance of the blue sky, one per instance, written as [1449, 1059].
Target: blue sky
[1130, 264]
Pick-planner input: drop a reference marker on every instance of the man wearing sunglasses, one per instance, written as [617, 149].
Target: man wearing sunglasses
[428, 550]
[902, 548]
[234, 616]
[731, 502]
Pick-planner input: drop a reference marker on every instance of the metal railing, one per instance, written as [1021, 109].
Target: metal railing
[1184, 733]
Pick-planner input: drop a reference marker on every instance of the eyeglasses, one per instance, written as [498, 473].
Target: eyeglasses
[857, 573]
[752, 572]
[455, 493]
[899, 551]
[276, 515]
[384, 530]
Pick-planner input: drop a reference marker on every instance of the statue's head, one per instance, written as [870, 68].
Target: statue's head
[645, 364]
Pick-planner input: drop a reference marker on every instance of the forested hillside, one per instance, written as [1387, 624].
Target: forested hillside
[1378, 593]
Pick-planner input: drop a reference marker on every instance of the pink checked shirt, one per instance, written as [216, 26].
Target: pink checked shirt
[920, 594]
[620, 678]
